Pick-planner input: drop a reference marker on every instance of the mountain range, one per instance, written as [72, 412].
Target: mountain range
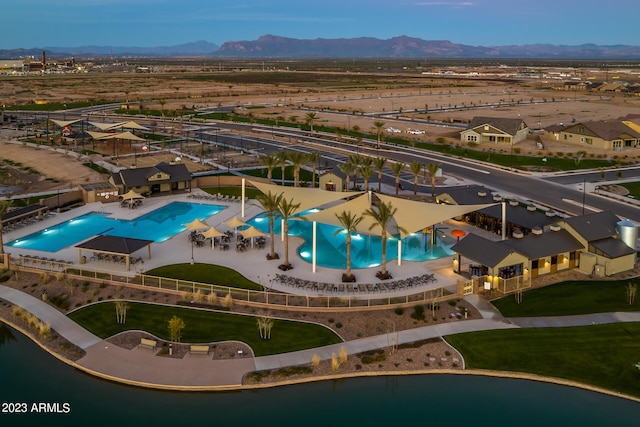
[271, 46]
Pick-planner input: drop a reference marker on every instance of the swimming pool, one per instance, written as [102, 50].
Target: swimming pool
[158, 225]
[366, 250]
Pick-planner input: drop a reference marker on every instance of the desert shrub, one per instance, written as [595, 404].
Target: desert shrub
[418, 312]
[399, 311]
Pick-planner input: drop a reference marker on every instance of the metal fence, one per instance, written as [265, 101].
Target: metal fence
[267, 298]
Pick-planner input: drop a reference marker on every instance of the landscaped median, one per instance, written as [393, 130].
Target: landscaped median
[204, 326]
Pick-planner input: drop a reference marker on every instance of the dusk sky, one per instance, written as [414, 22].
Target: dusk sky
[146, 23]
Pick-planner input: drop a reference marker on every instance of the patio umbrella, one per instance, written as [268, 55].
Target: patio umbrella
[130, 195]
[196, 224]
[252, 232]
[212, 232]
[234, 223]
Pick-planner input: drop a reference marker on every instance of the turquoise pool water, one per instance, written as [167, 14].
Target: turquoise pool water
[366, 251]
[158, 225]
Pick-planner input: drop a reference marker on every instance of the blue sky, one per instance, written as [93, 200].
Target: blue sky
[71, 23]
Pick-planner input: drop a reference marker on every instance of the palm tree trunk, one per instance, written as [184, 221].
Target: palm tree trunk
[285, 229]
[384, 253]
[271, 237]
[397, 184]
[380, 182]
[348, 253]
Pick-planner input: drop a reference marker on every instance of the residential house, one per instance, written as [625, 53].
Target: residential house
[607, 135]
[495, 130]
[161, 178]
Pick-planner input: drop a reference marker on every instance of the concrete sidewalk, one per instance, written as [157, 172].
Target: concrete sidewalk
[139, 366]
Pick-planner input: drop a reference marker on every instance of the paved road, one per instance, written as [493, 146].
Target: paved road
[136, 366]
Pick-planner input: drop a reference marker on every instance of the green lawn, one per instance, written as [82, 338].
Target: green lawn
[633, 187]
[570, 298]
[205, 326]
[601, 355]
[206, 273]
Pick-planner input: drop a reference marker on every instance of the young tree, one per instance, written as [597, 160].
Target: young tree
[271, 204]
[296, 158]
[378, 124]
[366, 170]
[432, 170]
[379, 163]
[310, 118]
[282, 157]
[265, 324]
[270, 162]
[355, 161]
[397, 169]
[416, 168]
[349, 224]
[346, 168]
[176, 325]
[121, 311]
[313, 158]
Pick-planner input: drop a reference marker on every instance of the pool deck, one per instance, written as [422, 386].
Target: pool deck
[252, 263]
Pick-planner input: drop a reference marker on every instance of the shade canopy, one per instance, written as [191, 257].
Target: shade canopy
[131, 195]
[123, 135]
[65, 123]
[213, 232]
[356, 206]
[307, 197]
[132, 125]
[106, 126]
[413, 216]
[235, 222]
[252, 232]
[196, 224]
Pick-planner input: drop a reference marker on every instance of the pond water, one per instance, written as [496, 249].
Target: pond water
[31, 375]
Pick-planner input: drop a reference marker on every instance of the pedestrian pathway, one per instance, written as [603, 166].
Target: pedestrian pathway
[137, 366]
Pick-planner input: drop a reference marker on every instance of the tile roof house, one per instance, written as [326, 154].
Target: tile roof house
[608, 135]
[161, 178]
[495, 130]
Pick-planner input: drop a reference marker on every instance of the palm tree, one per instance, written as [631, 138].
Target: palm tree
[270, 162]
[381, 218]
[397, 169]
[346, 168]
[296, 158]
[349, 224]
[270, 203]
[286, 209]
[4, 208]
[378, 124]
[432, 169]
[366, 170]
[310, 118]
[416, 168]
[379, 163]
[282, 157]
[313, 158]
[355, 160]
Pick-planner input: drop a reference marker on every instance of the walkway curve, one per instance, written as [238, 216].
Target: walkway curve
[196, 372]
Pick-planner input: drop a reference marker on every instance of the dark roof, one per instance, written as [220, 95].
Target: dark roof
[521, 216]
[481, 250]
[22, 212]
[555, 128]
[469, 195]
[510, 126]
[114, 244]
[535, 246]
[612, 248]
[137, 177]
[594, 226]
